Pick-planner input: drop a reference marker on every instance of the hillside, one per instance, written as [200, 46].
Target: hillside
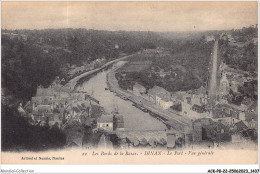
[35, 57]
[183, 67]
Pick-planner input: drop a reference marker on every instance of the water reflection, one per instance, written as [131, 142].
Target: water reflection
[134, 118]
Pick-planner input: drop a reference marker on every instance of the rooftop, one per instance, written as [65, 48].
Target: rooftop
[160, 92]
[106, 118]
[204, 121]
[139, 87]
[43, 108]
[45, 91]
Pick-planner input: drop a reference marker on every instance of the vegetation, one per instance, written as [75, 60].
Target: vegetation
[249, 89]
[18, 134]
[24, 67]
[243, 56]
[184, 68]
[45, 54]
[245, 34]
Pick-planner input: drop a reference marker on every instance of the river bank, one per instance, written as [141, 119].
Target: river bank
[173, 120]
[134, 118]
[78, 80]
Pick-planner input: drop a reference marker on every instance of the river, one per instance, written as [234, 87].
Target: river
[134, 119]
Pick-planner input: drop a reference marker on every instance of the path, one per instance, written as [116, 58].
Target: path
[213, 78]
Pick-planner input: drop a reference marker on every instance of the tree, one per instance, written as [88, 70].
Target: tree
[18, 134]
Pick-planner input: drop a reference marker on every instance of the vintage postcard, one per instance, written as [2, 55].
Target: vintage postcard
[129, 82]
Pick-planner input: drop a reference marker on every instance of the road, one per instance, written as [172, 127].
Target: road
[72, 83]
[181, 123]
[213, 78]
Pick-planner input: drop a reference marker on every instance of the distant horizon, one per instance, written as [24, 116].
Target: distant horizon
[151, 16]
[128, 30]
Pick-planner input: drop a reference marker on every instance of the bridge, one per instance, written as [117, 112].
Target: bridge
[154, 137]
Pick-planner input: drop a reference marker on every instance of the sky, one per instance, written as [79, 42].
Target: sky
[129, 16]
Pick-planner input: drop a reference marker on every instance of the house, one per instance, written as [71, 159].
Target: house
[227, 121]
[118, 122]
[138, 89]
[160, 96]
[43, 109]
[41, 91]
[193, 110]
[105, 122]
[227, 110]
[42, 100]
[200, 95]
[193, 104]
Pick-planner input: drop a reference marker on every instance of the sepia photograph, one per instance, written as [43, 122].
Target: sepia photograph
[129, 82]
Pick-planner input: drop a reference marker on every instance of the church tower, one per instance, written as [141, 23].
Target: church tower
[224, 85]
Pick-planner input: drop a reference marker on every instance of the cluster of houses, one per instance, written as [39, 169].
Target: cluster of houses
[57, 104]
[229, 122]
[223, 122]
[229, 113]
[70, 111]
[73, 70]
[222, 131]
[193, 102]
